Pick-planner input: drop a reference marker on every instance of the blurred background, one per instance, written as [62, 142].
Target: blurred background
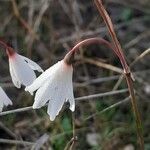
[44, 30]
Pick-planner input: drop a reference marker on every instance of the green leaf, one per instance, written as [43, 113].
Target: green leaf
[66, 124]
[126, 14]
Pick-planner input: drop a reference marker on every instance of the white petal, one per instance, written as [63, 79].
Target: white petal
[4, 99]
[1, 108]
[41, 96]
[22, 70]
[69, 87]
[32, 64]
[47, 91]
[55, 85]
[46, 75]
[69, 95]
[55, 105]
[14, 77]
[62, 90]
[71, 101]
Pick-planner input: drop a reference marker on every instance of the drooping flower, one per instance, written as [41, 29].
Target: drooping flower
[21, 68]
[55, 87]
[4, 99]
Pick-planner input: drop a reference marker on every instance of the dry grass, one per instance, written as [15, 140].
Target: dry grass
[44, 30]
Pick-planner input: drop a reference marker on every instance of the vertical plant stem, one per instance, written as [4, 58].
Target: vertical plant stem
[71, 144]
[73, 133]
[117, 45]
[135, 110]
[73, 124]
[110, 27]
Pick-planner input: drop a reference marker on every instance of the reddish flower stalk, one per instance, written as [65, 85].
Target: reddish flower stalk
[109, 24]
[96, 40]
[118, 48]
[9, 50]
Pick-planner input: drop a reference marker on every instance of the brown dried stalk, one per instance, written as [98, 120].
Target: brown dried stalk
[103, 65]
[126, 68]
[22, 21]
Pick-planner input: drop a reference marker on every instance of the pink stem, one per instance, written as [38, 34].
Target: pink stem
[86, 42]
[9, 50]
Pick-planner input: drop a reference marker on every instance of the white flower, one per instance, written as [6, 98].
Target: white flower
[54, 85]
[4, 99]
[22, 69]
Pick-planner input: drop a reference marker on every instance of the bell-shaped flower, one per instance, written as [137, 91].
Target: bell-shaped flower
[4, 99]
[55, 87]
[21, 68]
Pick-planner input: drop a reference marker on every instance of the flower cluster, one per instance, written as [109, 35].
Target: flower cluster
[54, 86]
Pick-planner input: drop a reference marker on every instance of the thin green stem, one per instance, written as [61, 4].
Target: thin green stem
[71, 144]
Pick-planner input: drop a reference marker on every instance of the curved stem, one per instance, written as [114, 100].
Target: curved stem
[94, 40]
[86, 42]
[9, 50]
[3, 44]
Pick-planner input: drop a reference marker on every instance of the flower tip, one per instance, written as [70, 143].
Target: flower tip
[10, 103]
[27, 89]
[41, 70]
[52, 118]
[72, 108]
[34, 106]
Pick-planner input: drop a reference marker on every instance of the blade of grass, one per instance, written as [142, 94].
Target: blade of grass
[78, 99]
[108, 108]
[103, 65]
[8, 141]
